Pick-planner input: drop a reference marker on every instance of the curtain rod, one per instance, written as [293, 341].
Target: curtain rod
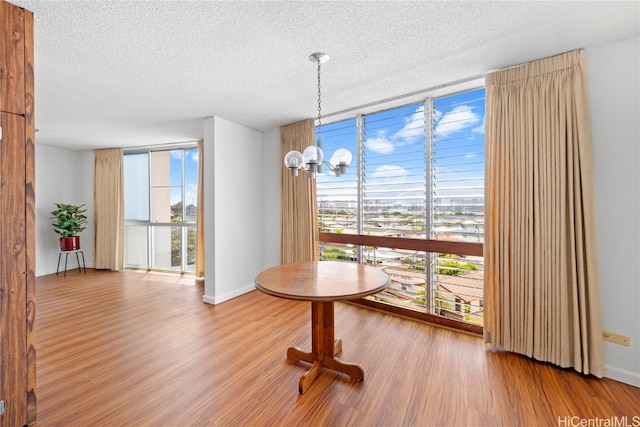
[406, 95]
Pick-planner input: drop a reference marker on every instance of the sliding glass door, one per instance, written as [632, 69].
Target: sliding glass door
[161, 190]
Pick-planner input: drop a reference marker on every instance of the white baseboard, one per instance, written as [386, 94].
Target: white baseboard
[622, 375]
[208, 299]
[229, 295]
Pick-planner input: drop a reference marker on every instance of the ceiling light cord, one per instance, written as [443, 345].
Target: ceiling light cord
[319, 94]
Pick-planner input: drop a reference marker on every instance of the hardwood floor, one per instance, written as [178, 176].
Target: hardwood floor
[142, 349]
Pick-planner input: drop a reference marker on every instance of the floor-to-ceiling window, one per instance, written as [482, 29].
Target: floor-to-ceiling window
[160, 208]
[417, 174]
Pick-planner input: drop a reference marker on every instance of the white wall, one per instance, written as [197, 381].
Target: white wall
[272, 170]
[613, 75]
[62, 176]
[233, 206]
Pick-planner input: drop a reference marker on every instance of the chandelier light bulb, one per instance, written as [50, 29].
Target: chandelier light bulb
[312, 154]
[312, 158]
[341, 156]
[293, 160]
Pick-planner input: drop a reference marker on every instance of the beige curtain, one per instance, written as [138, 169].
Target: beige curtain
[200, 214]
[298, 224]
[108, 203]
[541, 266]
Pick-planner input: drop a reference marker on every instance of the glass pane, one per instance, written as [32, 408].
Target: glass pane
[408, 274]
[160, 168]
[161, 210]
[136, 246]
[457, 162]
[167, 253]
[191, 185]
[336, 252]
[458, 287]
[191, 249]
[176, 204]
[176, 168]
[337, 196]
[160, 186]
[175, 174]
[136, 188]
[394, 181]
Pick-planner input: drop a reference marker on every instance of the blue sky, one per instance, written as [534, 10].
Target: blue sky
[190, 176]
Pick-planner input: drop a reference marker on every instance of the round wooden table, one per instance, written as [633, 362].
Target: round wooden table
[322, 283]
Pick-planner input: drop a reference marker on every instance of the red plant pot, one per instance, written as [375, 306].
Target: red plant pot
[70, 243]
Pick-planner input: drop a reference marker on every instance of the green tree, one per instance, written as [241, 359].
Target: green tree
[176, 247]
[176, 212]
[335, 253]
[454, 268]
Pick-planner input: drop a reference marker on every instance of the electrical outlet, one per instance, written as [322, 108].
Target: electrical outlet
[615, 338]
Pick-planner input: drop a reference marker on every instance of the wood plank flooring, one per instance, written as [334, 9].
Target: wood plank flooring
[142, 349]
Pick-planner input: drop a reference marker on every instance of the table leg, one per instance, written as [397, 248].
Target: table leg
[324, 347]
[309, 376]
[294, 353]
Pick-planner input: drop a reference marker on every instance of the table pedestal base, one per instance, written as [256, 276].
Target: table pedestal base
[323, 347]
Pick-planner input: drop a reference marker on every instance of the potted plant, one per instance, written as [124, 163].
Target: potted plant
[68, 221]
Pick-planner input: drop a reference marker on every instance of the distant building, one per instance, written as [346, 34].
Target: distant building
[190, 213]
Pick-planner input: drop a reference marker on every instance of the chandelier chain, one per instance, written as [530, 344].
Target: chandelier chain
[319, 104]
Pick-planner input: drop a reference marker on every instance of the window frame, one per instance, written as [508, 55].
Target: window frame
[428, 245]
[150, 224]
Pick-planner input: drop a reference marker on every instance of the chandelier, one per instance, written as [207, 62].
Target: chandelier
[312, 158]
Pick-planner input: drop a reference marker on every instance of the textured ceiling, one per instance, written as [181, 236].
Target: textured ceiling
[127, 73]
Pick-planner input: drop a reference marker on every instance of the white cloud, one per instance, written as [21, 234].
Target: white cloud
[413, 126]
[380, 143]
[460, 118]
[412, 130]
[480, 128]
[396, 173]
[470, 155]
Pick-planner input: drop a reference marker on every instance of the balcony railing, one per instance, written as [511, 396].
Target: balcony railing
[434, 280]
[160, 246]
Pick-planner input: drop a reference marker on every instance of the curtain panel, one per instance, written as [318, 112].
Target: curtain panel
[542, 291]
[108, 203]
[298, 220]
[199, 273]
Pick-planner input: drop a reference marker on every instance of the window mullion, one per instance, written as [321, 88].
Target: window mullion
[428, 206]
[183, 237]
[360, 181]
[150, 251]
